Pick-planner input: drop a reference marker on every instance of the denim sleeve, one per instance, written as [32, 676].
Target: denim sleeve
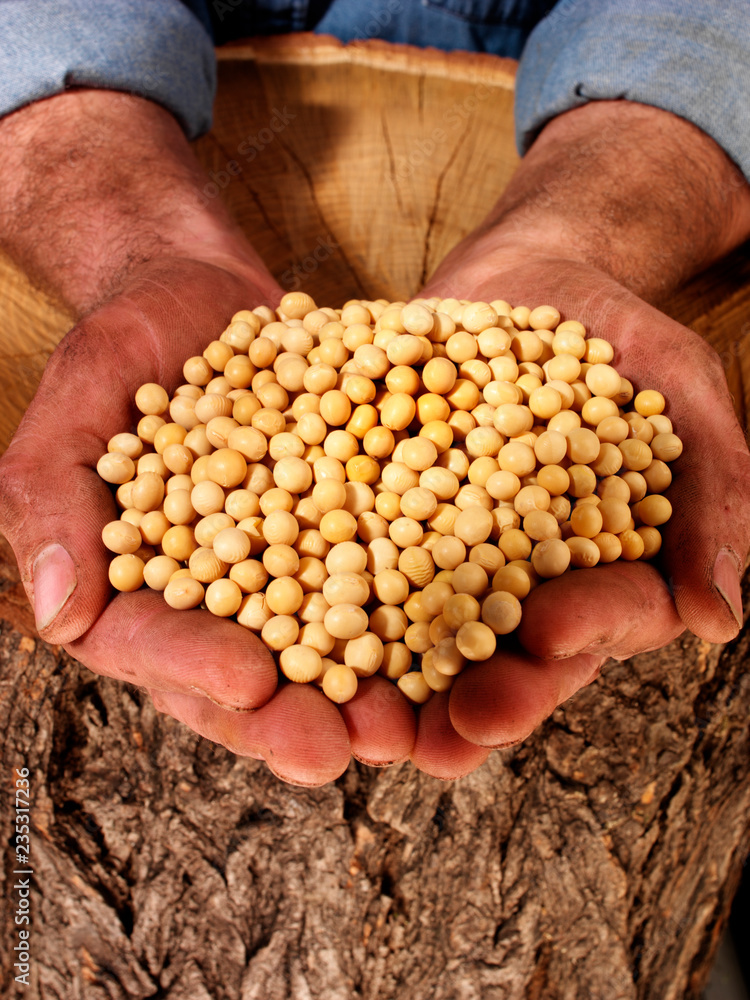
[158, 50]
[692, 59]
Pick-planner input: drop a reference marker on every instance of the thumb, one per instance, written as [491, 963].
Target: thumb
[707, 540]
[53, 505]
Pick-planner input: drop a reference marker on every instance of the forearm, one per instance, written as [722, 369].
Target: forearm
[94, 183]
[633, 190]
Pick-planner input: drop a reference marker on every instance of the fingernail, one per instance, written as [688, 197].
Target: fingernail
[727, 582]
[54, 578]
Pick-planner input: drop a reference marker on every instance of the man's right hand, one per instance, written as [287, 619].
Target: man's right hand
[209, 672]
[54, 505]
[101, 203]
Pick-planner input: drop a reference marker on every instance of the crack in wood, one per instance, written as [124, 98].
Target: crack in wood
[436, 204]
[391, 161]
[326, 229]
[248, 187]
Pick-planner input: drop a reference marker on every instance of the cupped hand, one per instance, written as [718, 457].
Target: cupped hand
[572, 624]
[209, 672]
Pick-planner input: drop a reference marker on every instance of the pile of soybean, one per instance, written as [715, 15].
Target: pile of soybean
[377, 488]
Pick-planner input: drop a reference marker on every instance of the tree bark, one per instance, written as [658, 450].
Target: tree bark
[597, 861]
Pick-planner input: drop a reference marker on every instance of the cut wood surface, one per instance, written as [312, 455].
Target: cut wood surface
[596, 861]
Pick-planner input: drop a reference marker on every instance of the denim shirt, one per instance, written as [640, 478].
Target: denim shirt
[692, 59]
[497, 26]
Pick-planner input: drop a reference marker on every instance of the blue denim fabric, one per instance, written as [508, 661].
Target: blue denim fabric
[691, 59]
[156, 49]
[227, 20]
[497, 26]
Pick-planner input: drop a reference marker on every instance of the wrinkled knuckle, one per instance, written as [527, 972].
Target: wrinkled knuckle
[15, 497]
[714, 367]
[716, 376]
[160, 701]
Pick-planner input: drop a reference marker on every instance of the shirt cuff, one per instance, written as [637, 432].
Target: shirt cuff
[155, 50]
[688, 58]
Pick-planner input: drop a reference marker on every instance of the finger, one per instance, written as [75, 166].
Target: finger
[191, 710]
[57, 542]
[299, 733]
[502, 701]
[707, 539]
[615, 610]
[381, 723]
[140, 639]
[53, 505]
[440, 750]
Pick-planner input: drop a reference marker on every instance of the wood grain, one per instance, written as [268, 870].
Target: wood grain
[386, 156]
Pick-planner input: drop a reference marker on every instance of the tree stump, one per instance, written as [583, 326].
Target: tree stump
[597, 861]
